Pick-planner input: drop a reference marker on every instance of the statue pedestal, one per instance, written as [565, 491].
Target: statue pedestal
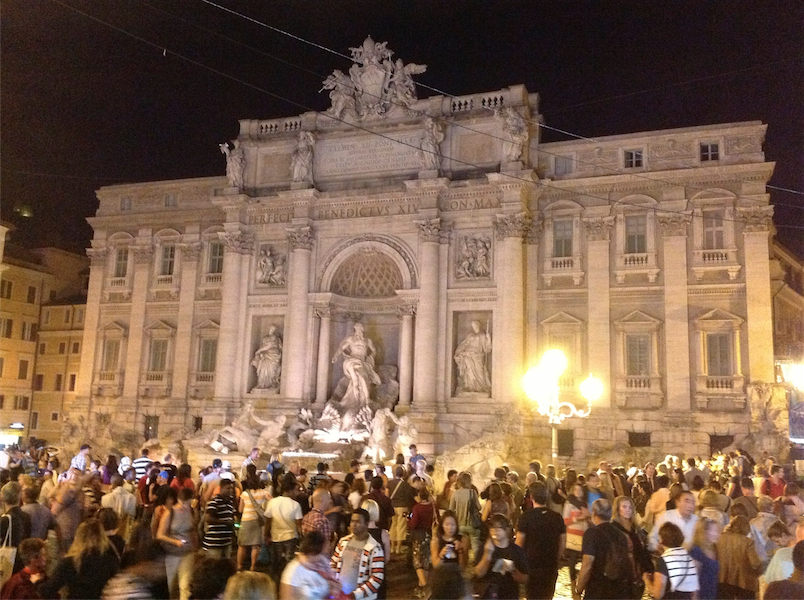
[511, 166]
[433, 174]
[300, 185]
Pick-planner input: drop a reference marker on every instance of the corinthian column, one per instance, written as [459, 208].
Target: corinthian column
[426, 355]
[300, 243]
[406, 313]
[508, 342]
[322, 374]
[143, 257]
[190, 251]
[237, 244]
[598, 234]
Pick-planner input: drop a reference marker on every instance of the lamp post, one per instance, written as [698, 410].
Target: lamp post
[541, 386]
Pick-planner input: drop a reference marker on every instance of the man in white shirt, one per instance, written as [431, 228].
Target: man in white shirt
[251, 459]
[121, 501]
[682, 515]
[282, 526]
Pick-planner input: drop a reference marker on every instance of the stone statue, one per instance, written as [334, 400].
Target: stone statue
[235, 163]
[388, 391]
[405, 434]
[402, 85]
[341, 93]
[377, 445]
[474, 260]
[303, 422]
[516, 134]
[271, 432]
[271, 267]
[301, 161]
[268, 361]
[430, 145]
[358, 366]
[470, 356]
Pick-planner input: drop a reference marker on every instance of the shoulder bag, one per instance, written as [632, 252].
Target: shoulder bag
[260, 513]
[474, 513]
[8, 554]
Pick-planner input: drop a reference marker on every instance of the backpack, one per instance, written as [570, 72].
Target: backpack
[617, 565]
[555, 494]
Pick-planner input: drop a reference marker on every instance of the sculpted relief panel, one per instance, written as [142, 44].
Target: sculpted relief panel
[473, 257]
[271, 266]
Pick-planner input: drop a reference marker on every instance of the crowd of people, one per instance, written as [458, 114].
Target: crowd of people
[728, 527]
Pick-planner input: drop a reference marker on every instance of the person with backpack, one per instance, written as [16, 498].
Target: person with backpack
[676, 575]
[556, 497]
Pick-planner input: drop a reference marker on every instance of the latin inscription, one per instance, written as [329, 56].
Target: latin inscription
[351, 212]
[391, 152]
[471, 204]
[270, 218]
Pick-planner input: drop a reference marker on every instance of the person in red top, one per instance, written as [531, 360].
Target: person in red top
[420, 525]
[25, 584]
[183, 479]
[774, 487]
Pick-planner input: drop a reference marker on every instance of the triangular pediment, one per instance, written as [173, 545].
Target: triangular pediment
[562, 318]
[637, 317]
[208, 325]
[159, 326]
[717, 315]
[114, 327]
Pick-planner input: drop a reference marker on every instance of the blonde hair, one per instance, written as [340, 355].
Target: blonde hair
[90, 537]
[372, 508]
[700, 538]
[615, 508]
[249, 585]
[709, 499]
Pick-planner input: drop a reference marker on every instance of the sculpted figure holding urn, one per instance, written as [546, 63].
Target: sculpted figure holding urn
[301, 161]
[470, 356]
[358, 365]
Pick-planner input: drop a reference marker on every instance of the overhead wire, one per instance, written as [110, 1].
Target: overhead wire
[165, 51]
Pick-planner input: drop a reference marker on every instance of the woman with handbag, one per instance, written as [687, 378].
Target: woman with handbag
[465, 503]
[252, 508]
[178, 535]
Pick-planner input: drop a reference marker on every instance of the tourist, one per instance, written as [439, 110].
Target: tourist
[320, 477]
[704, 553]
[555, 492]
[316, 519]
[219, 517]
[447, 582]
[122, 502]
[283, 517]
[709, 507]
[142, 465]
[503, 566]
[606, 569]
[448, 545]
[542, 535]
[252, 507]
[377, 494]
[183, 478]
[623, 519]
[339, 515]
[209, 577]
[309, 575]
[495, 503]
[178, 533]
[657, 504]
[593, 490]
[792, 507]
[576, 519]
[41, 519]
[466, 506]
[442, 501]
[249, 586]
[676, 575]
[760, 477]
[251, 459]
[108, 470]
[402, 498]
[781, 564]
[740, 566]
[111, 524]
[67, 506]
[14, 519]
[421, 473]
[81, 459]
[27, 583]
[415, 457]
[420, 525]
[774, 486]
[93, 493]
[164, 499]
[87, 566]
[357, 493]
[499, 477]
[682, 516]
[380, 535]
[691, 471]
[680, 478]
[763, 521]
[793, 586]
[358, 560]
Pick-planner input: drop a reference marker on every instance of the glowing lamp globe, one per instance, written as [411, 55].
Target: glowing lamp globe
[591, 388]
[553, 363]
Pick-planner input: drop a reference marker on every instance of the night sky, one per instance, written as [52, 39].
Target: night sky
[83, 104]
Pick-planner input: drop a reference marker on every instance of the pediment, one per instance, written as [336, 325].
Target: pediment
[713, 194]
[562, 318]
[114, 327]
[159, 326]
[637, 317]
[208, 325]
[167, 233]
[718, 315]
[562, 204]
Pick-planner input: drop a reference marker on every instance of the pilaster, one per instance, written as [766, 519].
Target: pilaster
[598, 236]
[426, 354]
[143, 258]
[300, 245]
[406, 314]
[184, 327]
[324, 315]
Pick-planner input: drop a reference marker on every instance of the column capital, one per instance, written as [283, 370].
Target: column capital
[598, 229]
[511, 225]
[190, 251]
[97, 256]
[535, 230]
[142, 253]
[674, 224]
[236, 241]
[300, 238]
[429, 229]
[755, 218]
[406, 310]
[323, 312]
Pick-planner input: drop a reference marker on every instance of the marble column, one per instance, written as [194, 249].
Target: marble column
[182, 368]
[406, 313]
[759, 315]
[322, 374]
[426, 356]
[676, 312]
[598, 234]
[532, 290]
[300, 244]
[90, 352]
[509, 318]
[236, 245]
[143, 258]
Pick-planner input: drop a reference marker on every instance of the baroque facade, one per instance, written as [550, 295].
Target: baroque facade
[440, 224]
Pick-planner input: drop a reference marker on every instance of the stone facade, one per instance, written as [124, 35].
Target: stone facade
[643, 256]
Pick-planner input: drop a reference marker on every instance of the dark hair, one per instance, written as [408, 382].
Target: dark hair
[798, 556]
[424, 494]
[217, 463]
[400, 459]
[777, 529]
[451, 472]
[144, 452]
[670, 535]
[399, 472]
[30, 494]
[354, 463]
[321, 467]
[444, 515]
[691, 461]
[108, 519]
[312, 543]
[349, 479]
[747, 483]
[185, 471]
[185, 494]
[538, 492]
[377, 483]
[29, 549]
[368, 474]
[494, 492]
[698, 483]
[288, 485]
[499, 473]
[363, 514]
[446, 582]
[499, 520]
[662, 481]
[210, 576]
[738, 509]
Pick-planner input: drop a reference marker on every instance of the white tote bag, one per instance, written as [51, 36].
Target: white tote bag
[8, 555]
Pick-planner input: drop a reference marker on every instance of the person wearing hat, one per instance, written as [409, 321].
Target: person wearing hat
[79, 461]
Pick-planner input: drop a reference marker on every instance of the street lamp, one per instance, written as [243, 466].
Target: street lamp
[541, 386]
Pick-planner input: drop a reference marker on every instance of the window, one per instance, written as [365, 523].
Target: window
[718, 355]
[562, 238]
[42, 348]
[76, 348]
[635, 234]
[5, 289]
[71, 383]
[198, 423]
[45, 316]
[713, 229]
[6, 327]
[79, 316]
[31, 295]
[151, 427]
[216, 257]
[170, 200]
[2, 401]
[28, 331]
[54, 416]
[632, 158]
[125, 203]
[34, 420]
[207, 355]
[67, 316]
[709, 152]
[2, 361]
[563, 165]
[62, 347]
[566, 442]
[158, 358]
[38, 382]
[168, 260]
[639, 439]
[121, 262]
[638, 350]
[22, 373]
[58, 383]
[718, 442]
[111, 355]
[21, 402]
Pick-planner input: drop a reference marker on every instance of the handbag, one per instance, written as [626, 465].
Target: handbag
[260, 514]
[474, 513]
[8, 554]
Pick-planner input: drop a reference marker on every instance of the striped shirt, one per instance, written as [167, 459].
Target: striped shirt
[371, 570]
[682, 575]
[141, 466]
[219, 535]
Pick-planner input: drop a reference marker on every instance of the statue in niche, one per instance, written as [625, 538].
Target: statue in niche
[470, 356]
[358, 366]
[430, 145]
[235, 163]
[474, 261]
[516, 133]
[301, 161]
[271, 267]
[268, 361]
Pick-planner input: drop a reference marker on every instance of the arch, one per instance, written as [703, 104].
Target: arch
[562, 204]
[167, 233]
[389, 246]
[120, 237]
[713, 194]
[634, 201]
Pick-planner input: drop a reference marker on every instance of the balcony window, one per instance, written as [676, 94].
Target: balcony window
[718, 355]
[207, 356]
[6, 327]
[111, 355]
[215, 258]
[157, 361]
[168, 261]
[6, 288]
[121, 262]
[637, 355]
[635, 234]
[562, 238]
[713, 229]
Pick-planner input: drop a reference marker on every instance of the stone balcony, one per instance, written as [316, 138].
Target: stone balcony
[564, 266]
[708, 261]
[641, 263]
